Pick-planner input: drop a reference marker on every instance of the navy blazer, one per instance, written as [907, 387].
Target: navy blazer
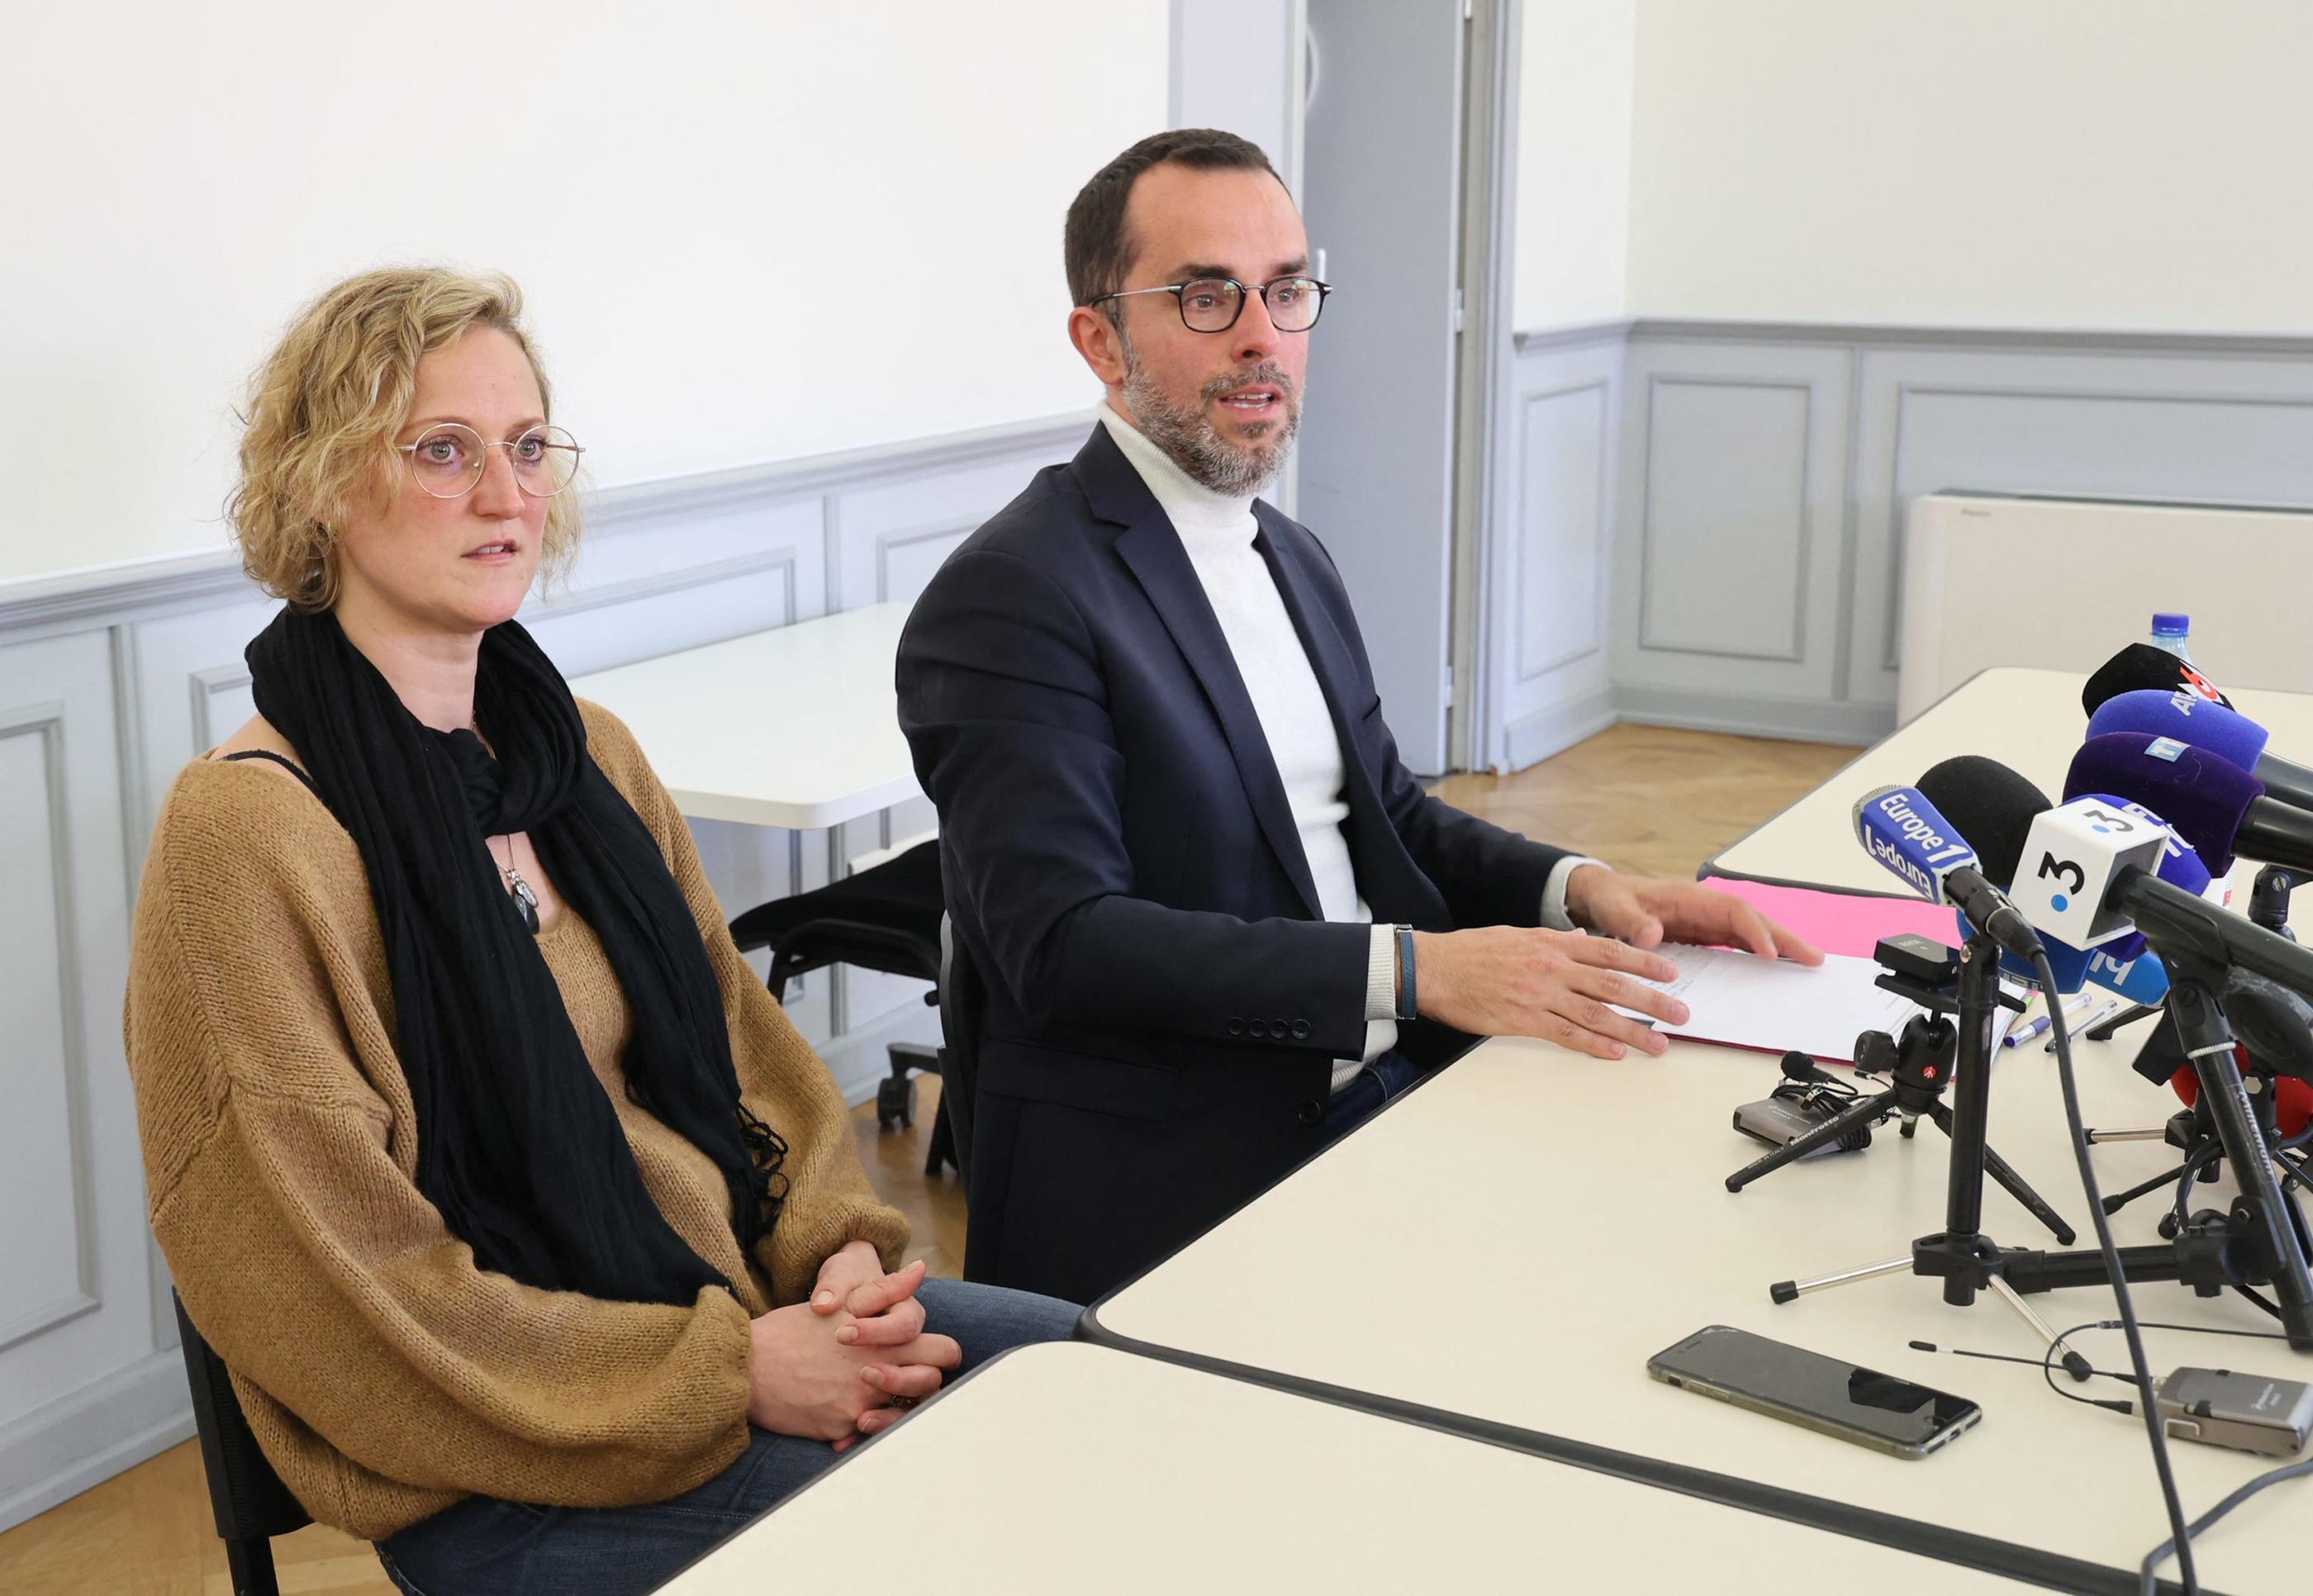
[1122, 867]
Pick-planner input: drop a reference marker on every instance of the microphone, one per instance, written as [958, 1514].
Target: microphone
[2080, 869]
[2226, 733]
[1900, 828]
[2141, 667]
[2217, 809]
[1999, 805]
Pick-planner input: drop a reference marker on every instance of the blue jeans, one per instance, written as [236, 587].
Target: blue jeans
[483, 1544]
[1368, 1089]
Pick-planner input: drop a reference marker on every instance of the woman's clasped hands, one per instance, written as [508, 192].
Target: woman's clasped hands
[852, 1359]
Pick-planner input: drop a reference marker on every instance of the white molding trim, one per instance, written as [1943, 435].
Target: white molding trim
[1557, 729]
[103, 594]
[1895, 335]
[1757, 715]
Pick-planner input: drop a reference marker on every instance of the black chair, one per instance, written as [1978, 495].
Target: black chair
[250, 1502]
[886, 918]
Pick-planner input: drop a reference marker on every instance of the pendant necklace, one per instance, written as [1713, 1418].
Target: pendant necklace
[525, 898]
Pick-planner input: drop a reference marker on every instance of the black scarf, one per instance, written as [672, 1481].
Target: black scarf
[517, 1143]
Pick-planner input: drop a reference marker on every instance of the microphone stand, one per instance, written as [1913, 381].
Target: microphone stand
[2262, 1241]
[1920, 1066]
[2194, 1131]
[1960, 1255]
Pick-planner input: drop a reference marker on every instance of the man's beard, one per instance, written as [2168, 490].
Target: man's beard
[1236, 470]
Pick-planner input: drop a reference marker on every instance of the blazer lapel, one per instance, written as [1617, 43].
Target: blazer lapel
[1151, 550]
[1386, 875]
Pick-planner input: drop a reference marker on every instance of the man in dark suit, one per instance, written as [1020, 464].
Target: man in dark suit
[1217, 920]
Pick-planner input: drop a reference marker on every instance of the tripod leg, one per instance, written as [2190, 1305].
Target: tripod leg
[2075, 1365]
[1790, 1290]
[2013, 1184]
[2103, 1031]
[2208, 1042]
[2120, 1200]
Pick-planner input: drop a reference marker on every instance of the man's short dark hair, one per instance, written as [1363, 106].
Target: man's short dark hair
[1095, 249]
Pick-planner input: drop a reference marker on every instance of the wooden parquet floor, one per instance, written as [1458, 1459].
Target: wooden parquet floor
[1644, 798]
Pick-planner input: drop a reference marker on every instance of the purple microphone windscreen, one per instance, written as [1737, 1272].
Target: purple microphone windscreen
[2203, 798]
[2187, 719]
[2141, 667]
[1988, 804]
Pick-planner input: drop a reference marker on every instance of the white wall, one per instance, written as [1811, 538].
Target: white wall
[2111, 165]
[1574, 127]
[749, 230]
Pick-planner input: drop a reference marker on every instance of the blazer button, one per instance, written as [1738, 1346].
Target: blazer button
[1310, 1112]
[1255, 1029]
[1280, 1030]
[1236, 1026]
[1300, 1030]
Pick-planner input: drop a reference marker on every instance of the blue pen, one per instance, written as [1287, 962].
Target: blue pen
[2035, 1028]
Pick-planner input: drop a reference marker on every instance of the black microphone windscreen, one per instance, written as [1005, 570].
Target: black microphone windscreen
[2203, 798]
[2140, 668]
[1989, 804]
[2274, 1023]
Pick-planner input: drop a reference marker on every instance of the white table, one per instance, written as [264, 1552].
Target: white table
[2029, 720]
[796, 728]
[1064, 1467]
[1514, 1240]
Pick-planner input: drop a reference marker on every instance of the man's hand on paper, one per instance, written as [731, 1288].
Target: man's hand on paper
[1646, 912]
[1561, 986]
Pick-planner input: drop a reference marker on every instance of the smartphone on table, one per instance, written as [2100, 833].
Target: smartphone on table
[1886, 1414]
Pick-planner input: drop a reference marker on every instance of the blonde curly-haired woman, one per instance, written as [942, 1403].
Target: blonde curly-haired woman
[533, 1234]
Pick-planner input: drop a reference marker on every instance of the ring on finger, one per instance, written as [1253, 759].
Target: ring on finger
[903, 1402]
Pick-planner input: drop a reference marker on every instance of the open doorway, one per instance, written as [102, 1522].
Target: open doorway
[1384, 118]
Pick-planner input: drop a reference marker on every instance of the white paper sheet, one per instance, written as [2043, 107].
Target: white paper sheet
[1738, 1000]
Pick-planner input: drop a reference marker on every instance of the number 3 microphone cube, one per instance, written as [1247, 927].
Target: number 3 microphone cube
[2070, 859]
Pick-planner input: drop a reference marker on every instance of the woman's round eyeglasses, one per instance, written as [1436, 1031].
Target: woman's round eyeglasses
[1213, 305]
[447, 460]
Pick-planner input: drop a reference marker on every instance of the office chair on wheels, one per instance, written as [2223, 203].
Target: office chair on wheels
[885, 918]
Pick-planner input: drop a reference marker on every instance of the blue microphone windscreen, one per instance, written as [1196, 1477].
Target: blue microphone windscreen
[2188, 720]
[2203, 798]
[2067, 963]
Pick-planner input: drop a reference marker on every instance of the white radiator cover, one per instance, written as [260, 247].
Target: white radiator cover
[2063, 584]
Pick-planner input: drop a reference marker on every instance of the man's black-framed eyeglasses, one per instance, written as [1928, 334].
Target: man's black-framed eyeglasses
[1213, 305]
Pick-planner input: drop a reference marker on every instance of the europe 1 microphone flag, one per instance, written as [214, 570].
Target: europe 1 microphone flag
[1900, 828]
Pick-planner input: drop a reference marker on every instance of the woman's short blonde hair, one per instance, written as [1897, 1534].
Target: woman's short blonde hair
[324, 408]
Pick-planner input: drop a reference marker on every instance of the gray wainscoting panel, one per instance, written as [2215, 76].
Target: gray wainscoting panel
[44, 1138]
[2163, 426]
[1733, 507]
[1547, 584]
[1562, 433]
[74, 1287]
[1723, 533]
[1764, 470]
[110, 681]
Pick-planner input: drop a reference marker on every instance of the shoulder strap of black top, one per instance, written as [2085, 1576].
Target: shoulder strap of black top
[285, 764]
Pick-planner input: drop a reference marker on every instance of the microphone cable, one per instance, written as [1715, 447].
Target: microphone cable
[2180, 1534]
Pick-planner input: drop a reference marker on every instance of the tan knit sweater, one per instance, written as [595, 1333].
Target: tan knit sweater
[384, 1375]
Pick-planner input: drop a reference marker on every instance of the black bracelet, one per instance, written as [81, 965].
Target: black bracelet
[1406, 1006]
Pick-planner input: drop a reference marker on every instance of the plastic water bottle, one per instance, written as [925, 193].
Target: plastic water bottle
[2169, 632]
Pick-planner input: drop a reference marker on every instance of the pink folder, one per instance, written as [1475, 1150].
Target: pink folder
[1842, 921]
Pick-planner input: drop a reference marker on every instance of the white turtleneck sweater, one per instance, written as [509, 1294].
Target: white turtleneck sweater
[1218, 530]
